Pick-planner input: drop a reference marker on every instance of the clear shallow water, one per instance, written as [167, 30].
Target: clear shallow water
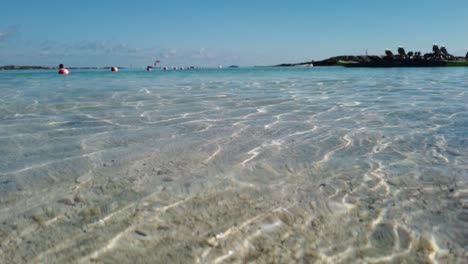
[311, 165]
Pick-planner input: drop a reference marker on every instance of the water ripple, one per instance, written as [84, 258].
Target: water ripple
[319, 165]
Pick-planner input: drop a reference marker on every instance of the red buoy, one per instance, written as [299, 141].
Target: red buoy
[114, 69]
[64, 71]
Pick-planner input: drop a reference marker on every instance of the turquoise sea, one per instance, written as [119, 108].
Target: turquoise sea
[248, 165]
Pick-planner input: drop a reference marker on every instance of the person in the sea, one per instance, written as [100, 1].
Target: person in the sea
[62, 70]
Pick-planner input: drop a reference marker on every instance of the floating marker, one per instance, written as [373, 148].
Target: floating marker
[64, 71]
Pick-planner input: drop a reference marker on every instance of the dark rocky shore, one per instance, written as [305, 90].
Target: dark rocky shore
[402, 59]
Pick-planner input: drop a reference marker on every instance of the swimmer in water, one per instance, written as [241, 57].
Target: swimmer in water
[62, 70]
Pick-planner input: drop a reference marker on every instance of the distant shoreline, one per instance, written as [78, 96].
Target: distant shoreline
[29, 67]
[332, 61]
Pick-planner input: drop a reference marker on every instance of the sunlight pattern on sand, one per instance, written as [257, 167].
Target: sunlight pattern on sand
[309, 165]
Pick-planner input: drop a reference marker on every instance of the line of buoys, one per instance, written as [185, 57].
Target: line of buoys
[63, 70]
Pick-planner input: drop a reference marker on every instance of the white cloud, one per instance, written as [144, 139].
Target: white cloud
[169, 53]
[44, 52]
[107, 52]
[7, 33]
[204, 53]
[174, 54]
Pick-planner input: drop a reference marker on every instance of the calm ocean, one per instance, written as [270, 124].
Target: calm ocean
[248, 165]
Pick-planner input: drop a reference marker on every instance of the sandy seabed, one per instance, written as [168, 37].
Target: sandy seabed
[244, 170]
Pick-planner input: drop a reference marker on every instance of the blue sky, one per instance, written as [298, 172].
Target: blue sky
[209, 32]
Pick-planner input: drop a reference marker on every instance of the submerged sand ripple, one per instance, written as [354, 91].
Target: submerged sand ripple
[276, 170]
